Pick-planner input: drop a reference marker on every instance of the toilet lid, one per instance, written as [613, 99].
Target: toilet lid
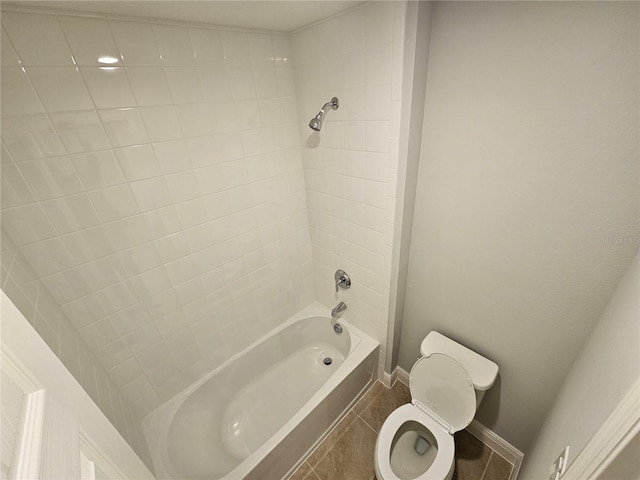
[442, 387]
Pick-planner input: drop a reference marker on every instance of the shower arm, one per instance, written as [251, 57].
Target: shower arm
[333, 103]
[316, 122]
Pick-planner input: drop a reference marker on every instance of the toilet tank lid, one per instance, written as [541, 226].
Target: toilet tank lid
[481, 370]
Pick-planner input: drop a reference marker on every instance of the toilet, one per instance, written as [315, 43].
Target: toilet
[447, 384]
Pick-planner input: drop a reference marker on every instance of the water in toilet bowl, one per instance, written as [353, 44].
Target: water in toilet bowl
[413, 451]
[422, 445]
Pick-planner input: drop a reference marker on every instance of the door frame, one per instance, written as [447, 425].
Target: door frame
[57, 408]
[610, 440]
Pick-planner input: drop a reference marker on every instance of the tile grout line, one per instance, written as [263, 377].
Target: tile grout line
[313, 470]
[502, 457]
[358, 416]
[352, 410]
[365, 422]
[487, 465]
[306, 460]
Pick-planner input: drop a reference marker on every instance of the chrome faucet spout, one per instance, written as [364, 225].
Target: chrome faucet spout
[338, 309]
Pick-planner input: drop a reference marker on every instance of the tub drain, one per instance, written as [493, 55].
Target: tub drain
[327, 361]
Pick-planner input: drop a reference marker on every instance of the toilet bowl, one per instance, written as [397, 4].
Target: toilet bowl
[447, 384]
[396, 455]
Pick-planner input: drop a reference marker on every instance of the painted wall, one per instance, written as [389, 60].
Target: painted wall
[527, 200]
[351, 164]
[626, 464]
[417, 36]
[605, 370]
[160, 200]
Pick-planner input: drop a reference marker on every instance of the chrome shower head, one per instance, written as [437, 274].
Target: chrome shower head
[316, 122]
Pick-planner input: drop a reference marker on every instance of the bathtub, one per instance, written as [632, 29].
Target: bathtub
[257, 415]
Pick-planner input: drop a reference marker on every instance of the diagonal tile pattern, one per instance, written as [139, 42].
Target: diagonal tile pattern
[350, 454]
[379, 402]
[347, 452]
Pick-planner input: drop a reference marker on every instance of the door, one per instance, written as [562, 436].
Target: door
[51, 429]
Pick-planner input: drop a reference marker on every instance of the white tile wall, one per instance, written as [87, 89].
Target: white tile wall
[20, 282]
[350, 166]
[158, 205]
[158, 201]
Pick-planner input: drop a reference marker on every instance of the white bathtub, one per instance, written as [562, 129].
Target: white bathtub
[258, 414]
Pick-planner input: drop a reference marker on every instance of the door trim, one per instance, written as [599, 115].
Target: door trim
[610, 439]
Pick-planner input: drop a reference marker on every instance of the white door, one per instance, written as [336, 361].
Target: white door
[51, 429]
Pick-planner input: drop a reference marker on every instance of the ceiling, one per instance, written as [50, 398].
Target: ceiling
[275, 15]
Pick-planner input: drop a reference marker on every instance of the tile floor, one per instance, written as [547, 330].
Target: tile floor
[347, 452]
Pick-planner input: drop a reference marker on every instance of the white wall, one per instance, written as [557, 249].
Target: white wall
[527, 190]
[351, 165]
[626, 464]
[417, 37]
[159, 200]
[608, 365]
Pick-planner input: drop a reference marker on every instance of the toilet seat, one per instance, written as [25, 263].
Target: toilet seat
[441, 387]
[443, 462]
[443, 401]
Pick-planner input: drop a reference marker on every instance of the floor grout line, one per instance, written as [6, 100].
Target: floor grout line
[313, 470]
[365, 422]
[487, 465]
[510, 463]
[359, 417]
[324, 440]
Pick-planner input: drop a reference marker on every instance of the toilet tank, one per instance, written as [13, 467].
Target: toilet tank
[481, 370]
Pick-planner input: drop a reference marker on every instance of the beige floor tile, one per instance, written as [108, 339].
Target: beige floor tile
[497, 468]
[471, 457]
[379, 402]
[347, 452]
[374, 392]
[305, 472]
[351, 457]
[331, 439]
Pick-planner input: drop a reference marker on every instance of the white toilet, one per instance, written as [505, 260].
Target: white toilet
[447, 384]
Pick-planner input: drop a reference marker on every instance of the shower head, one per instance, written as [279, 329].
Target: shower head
[316, 122]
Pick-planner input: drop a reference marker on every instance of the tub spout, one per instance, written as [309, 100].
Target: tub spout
[338, 309]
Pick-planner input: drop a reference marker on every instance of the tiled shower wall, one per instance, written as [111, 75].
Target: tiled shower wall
[159, 199]
[27, 292]
[350, 165]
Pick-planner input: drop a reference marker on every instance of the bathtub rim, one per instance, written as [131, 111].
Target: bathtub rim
[313, 310]
[356, 356]
[159, 420]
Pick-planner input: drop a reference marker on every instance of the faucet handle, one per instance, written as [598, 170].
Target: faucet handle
[342, 280]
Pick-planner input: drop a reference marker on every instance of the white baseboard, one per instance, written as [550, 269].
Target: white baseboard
[403, 376]
[498, 444]
[389, 379]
